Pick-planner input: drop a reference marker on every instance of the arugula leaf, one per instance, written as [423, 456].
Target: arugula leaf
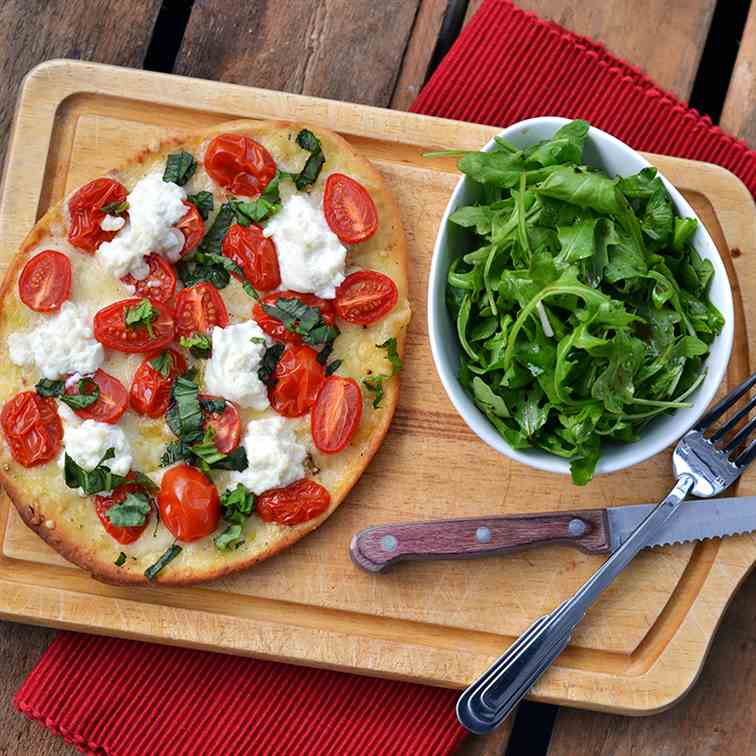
[268, 364]
[582, 187]
[115, 208]
[203, 201]
[91, 481]
[179, 167]
[198, 344]
[684, 230]
[131, 512]
[170, 554]
[141, 315]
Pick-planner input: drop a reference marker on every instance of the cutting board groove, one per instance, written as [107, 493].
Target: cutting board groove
[442, 623]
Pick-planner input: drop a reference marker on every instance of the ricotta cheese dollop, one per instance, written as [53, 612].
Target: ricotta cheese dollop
[231, 371]
[60, 344]
[154, 206]
[310, 256]
[86, 442]
[275, 455]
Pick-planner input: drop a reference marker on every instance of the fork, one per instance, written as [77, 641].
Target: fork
[704, 466]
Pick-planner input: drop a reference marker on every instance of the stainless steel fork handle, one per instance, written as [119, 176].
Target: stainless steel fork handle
[491, 698]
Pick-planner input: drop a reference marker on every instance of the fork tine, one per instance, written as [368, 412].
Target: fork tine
[740, 437]
[746, 457]
[734, 420]
[722, 406]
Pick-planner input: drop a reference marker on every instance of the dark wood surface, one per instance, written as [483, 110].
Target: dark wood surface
[380, 53]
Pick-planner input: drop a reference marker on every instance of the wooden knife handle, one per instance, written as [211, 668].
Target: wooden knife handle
[377, 548]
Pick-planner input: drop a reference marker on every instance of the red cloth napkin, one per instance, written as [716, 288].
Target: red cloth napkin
[115, 696]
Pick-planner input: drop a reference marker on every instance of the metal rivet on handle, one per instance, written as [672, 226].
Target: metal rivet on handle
[576, 527]
[483, 535]
[389, 543]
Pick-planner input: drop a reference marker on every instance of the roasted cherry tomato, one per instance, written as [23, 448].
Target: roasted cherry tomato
[198, 309]
[275, 328]
[365, 297]
[32, 428]
[336, 414]
[349, 209]
[226, 424]
[110, 327]
[111, 403]
[86, 214]
[254, 254]
[120, 533]
[239, 164]
[298, 502]
[298, 377]
[160, 283]
[150, 392]
[45, 281]
[189, 503]
[192, 227]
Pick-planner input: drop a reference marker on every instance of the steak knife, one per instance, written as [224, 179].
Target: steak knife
[595, 531]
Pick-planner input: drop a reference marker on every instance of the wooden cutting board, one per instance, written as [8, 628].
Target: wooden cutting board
[441, 623]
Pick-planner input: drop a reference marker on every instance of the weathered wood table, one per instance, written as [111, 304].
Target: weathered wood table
[380, 54]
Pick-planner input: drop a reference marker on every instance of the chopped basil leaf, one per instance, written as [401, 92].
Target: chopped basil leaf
[191, 272]
[375, 384]
[213, 241]
[179, 167]
[47, 387]
[332, 367]
[115, 208]
[198, 344]
[392, 355]
[325, 353]
[141, 315]
[268, 364]
[257, 340]
[131, 512]
[176, 451]
[221, 261]
[302, 319]
[151, 572]
[162, 363]
[145, 482]
[213, 406]
[206, 451]
[91, 481]
[261, 208]
[230, 538]
[203, 201]
[82, 399]
[120, 560]
[309, 174]
[235, 460]
[184, 416]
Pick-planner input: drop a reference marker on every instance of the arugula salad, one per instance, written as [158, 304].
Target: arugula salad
[583, 312]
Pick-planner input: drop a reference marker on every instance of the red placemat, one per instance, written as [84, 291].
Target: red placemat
[115, 696]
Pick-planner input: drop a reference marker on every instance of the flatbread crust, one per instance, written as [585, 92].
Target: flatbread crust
[66, 520]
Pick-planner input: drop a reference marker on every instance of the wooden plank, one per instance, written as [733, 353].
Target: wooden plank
[633, 30]
[493, 744]
[345, 49]
[430, 17]
[739, 112]
[716, 717]
[20, 648]
[441, 623]
[99, 30]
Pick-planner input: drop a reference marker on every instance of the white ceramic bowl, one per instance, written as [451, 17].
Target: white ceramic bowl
[607, 153]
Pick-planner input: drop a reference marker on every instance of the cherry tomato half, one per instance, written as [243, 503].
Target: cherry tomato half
[192, 227]
[226, 424]
[275, 328]
[239, 164]
[198, 309]
[85, 211]
[111, 330]
[298, 502]
[298, 377]
[160, 283]
[32, 428]
[189, 503]
[336, 414]
[349, 210]
[254, 254]
[365, 297]
[150, 392]
[45, 281]
[120, 533]
[111, 403]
